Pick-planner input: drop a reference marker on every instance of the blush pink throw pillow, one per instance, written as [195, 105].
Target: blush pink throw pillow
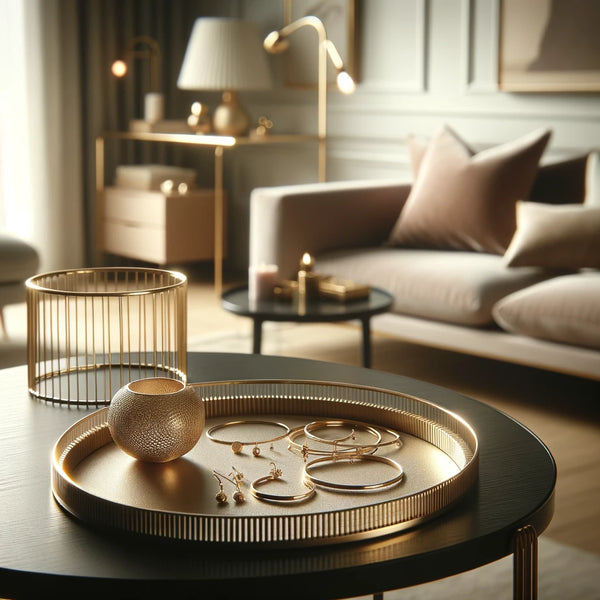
[466, 201]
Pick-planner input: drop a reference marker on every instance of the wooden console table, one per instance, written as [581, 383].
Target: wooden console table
[219, 143]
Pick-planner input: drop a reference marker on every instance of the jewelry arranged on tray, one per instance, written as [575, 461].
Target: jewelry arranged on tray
[238, 445]
[333, 441]
[276, 475]
[238, 495]
[353, 459]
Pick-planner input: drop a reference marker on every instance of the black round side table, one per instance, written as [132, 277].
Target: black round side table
[312, 311]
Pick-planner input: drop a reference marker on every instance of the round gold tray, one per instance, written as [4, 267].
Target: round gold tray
[101, 485]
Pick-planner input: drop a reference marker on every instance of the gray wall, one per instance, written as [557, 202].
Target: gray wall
[423, 63]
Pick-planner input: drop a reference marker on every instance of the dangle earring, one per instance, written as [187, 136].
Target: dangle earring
[236, 475]
[221, 496]
[238, 495]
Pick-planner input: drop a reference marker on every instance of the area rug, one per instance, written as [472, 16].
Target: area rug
[563, 574]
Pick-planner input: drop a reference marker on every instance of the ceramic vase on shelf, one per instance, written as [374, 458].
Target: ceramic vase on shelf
[156, 419]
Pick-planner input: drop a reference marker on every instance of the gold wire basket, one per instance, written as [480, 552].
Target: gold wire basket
[91, 331]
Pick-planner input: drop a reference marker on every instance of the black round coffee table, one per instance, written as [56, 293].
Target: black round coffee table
[44, 548]
[379, 301]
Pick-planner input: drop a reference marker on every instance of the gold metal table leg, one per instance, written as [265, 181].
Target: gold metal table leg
[525, 576]
[99, 245]
[218, 220]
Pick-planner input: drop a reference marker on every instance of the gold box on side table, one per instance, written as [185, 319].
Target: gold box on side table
[342, 290]
[159, 228]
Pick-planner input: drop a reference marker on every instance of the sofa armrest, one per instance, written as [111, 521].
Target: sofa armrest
[286, 221]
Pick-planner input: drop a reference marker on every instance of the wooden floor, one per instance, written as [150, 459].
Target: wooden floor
[563, 411]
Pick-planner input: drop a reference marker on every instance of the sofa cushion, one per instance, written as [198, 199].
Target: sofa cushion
[467, 202]
[562, 237]
[564, 309]
[562, 181]
[445, 285]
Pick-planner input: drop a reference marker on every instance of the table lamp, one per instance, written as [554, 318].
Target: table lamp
[145, 48]
[276, 42]
[225, 55]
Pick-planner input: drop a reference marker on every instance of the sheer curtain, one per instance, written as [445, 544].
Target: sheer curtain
[40, 129]
[57, 94]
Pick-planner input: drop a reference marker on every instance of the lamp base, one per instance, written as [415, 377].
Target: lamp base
[230, 117]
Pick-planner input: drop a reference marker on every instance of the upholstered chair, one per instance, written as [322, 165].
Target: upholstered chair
[18, 261]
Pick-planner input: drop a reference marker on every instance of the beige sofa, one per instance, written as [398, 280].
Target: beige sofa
[477, 302]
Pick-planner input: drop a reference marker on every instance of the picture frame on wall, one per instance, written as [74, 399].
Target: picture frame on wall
[301, 58]
[549, 46]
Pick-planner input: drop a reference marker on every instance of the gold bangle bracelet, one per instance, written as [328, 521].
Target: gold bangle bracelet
[274, 476]
[304, 451]
[237, 446]
[310, 427]
[394, 441]
[352, 459]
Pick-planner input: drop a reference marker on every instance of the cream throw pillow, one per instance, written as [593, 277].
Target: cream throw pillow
[563, 309]
[463, 201]
[564, 236]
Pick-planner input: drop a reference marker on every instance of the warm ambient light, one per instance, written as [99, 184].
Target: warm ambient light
[345, 82]
[145, 48]
[141, 47]
[276, 43]
[307, 262]
[119, 68]
[225, 55]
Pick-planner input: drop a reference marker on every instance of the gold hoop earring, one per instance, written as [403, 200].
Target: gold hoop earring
[275, 475]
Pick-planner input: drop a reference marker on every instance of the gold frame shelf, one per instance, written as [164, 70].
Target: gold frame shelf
[219, 143]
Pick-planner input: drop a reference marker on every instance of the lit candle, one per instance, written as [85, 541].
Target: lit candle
[261, 281]
[308, 282]
[307, 262]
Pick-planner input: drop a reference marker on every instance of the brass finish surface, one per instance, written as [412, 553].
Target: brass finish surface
[525, 564]
[95, 481]
[91, 331]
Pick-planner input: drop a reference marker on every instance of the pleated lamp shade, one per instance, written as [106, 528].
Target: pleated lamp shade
[224, 54]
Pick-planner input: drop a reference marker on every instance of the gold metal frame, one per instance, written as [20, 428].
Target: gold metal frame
[357, 517]
[92, 331]
[276, 42]
[525, 564]
[218, 143]
[349, 57]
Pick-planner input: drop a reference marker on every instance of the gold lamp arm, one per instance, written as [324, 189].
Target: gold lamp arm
[150, 52]
[276, 42]
[153, 55]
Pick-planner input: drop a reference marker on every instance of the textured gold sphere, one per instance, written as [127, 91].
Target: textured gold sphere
[156, 419]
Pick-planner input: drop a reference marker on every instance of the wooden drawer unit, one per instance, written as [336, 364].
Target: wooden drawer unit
[159, 228]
